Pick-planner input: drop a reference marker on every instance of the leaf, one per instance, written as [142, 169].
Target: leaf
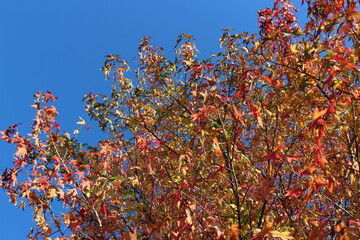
[227, 29]
[282, 235]
[103, 209]
[133, 234]
[266, 189]
[355, 223]
[318, 114]
[81, 122]
[256, 112]
[309, 170]
[21, 151]
[233, 233]
[49, 97]
[238, 116]
[188, 216]
[215, 225]
[293, 49]
[316, 182]
[291, 158]
[356, 15]
[295, 192]
[52, 193]
[321, 160]
[198, 67]
[261, 233]
[275, 154]
[217, 148]
[267, 79]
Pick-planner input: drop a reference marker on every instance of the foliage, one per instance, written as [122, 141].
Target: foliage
[258, 141]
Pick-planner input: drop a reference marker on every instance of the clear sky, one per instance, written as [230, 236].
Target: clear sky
[60, 45]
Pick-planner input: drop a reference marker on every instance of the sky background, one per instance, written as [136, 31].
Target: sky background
[59, 46]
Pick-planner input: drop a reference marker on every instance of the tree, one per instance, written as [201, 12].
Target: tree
[259, 141]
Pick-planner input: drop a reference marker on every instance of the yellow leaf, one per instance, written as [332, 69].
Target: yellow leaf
[82, 122]
[356, 15]
[39, 217]
[52, 193]
[293, 49]
[282, 235]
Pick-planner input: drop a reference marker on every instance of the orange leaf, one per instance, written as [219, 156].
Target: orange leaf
[217, 149]
[322, 161]
[309, 170]
[318, 114]
[133, 235]
[233, 233]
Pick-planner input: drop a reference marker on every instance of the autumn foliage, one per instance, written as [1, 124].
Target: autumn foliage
[260, 141]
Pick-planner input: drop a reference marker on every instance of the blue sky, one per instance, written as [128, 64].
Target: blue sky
[59, 46]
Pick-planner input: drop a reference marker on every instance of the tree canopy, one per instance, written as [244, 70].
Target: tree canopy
[258, 141]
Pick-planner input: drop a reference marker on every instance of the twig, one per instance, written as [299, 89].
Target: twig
[337, 205]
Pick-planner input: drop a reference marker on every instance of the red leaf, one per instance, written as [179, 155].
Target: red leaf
[48, 97]
[51, 110]
[80, 174]
[267, 79]
[85, 184]
[275, 154]
[238, 115]
[198, 67]
[256, 112]
[213, 174]
[356, 223]
[103, 209]
[295, 192]
[331, 109]
[182, 187]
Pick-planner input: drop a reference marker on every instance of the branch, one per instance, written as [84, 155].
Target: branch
[67, 171]
[159, 139]
[211, 214]
[262, 214]
[307, 74]
[337, 205]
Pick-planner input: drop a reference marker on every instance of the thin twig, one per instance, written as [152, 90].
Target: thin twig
[337, 205]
